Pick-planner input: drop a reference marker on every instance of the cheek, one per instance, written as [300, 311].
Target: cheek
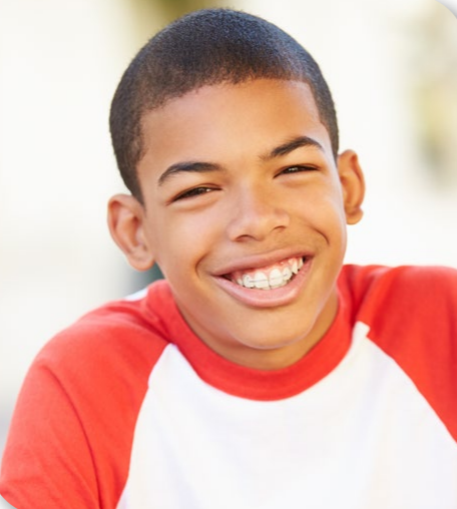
[324, 214]
[197, 231]
[322, 208]
[179, 242]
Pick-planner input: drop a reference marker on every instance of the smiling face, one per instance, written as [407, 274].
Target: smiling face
[245, 212]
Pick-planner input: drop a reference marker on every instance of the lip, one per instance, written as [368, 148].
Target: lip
[277, 297]
[260, 261]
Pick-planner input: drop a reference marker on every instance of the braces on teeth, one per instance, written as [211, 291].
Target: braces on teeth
[270, 279]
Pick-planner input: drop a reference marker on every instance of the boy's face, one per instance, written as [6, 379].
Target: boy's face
[241, 189]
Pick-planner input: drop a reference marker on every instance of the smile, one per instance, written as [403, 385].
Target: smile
[268, 286]
[268, 278]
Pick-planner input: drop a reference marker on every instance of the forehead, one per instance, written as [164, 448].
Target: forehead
[226, 121]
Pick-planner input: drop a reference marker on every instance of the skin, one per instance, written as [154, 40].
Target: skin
[257, 199]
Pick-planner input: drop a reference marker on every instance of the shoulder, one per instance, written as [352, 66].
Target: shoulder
[411, 315]
[364, 276]
[76, 414]
[106, 356]
[418, 303]
[428, 290]
[111, 337]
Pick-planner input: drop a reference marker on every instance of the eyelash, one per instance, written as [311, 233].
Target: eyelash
[196, 191]
[297, 169]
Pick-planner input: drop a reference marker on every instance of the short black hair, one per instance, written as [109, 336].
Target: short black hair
[207, 47]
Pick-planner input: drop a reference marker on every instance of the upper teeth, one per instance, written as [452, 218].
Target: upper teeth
[270, 278]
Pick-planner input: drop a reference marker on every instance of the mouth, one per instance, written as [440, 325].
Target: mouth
[269, 277]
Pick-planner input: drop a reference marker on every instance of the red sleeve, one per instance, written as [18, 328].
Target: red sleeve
[412, 315]
[70, 439]
[47, 462]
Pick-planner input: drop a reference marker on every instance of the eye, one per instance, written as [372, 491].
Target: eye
[297, 169]
[191, 193]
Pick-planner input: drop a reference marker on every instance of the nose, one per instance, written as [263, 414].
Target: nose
[255, 214]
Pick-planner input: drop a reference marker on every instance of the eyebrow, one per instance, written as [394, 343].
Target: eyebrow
[293, 144]
[187, 166]
[206, 167]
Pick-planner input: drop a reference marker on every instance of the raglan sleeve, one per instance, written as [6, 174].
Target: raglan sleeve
[70, 439]
[47, 462]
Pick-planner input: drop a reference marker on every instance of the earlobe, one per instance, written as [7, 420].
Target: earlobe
[126, 225]
[353, 185]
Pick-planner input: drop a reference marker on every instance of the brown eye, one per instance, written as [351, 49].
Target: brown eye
[196, 191]
[297, 169]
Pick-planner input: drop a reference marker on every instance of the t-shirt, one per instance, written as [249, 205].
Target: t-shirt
[128, 409]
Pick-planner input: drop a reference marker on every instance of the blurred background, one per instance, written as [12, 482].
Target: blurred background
[392, 67]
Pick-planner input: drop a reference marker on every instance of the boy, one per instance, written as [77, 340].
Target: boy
[260, 374]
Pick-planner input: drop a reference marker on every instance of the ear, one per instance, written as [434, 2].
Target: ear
[353, 184]
[126, 224]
